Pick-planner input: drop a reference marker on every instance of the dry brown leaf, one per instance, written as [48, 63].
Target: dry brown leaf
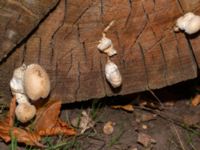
[60, 128]
[85, 122]
[22, 136]
[47, 121]
[128, 107]
[145, 140]
[196, 100]
[47, 116]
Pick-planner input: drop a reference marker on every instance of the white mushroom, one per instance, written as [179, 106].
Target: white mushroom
[36, 82]
[25, 112]
[190, 23]
[16, 83]
[112, 74]
[105, 45]
[28, 82]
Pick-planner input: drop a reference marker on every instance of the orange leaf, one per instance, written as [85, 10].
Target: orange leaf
[128, 107]
[22, 136]
[47, 116]
[196, 100]
[11, 114]
[48, 123]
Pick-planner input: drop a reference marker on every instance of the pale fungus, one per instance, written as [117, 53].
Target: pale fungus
[112, 74]
[190, 23]
[25, 112]
[36, 82]
[17, 81]
[105, 45]
[28, 82]
[108, 128]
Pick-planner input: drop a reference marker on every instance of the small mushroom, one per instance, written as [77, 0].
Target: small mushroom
[36, 82]
[105, 45]
[25, 112]
[190, 23]
[112, 74]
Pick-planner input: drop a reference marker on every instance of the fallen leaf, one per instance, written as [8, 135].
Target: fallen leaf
[196, 100]
[145, 140]
[47, 122]
[128, 107]
[60, 128]
[85, 122]
[142, 116]
[47, 116]
[22, 136]
[108, 128]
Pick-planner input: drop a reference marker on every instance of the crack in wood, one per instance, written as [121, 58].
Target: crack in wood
[145, 66]
[195, 64]
[180, 6]
[102, 73]
[24, 53]
[78, 82]
[101, 7]
[165, 70]
[39, 50]
[52, 42]
[141, 31]
[82, 44]
[71, 64]
[181, 70]
[179, 57]
[78, 18]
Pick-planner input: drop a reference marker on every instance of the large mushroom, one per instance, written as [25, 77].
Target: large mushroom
[36, 82]
[29, 82]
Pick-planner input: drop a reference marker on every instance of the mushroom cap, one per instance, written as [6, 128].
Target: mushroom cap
[25, 112]
[36, 82]
[183, 21]
[104, 43]
[193, 25]
[112, 74]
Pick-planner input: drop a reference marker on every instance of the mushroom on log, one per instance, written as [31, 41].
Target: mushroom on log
[150, 55]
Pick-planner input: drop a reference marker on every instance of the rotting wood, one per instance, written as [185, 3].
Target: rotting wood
[150, 54]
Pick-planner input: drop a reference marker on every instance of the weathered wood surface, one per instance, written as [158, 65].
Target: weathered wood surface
[150, 54]
[18, 19]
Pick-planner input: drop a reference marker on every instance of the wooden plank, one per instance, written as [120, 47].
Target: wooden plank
[150, 55]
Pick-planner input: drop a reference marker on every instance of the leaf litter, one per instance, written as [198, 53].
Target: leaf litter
[47, 123]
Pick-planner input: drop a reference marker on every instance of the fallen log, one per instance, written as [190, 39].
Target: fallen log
[150, 54]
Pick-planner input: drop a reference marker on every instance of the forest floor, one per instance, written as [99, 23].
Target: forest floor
[159, 120]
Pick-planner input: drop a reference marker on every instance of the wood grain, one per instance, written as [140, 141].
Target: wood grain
[150, 55]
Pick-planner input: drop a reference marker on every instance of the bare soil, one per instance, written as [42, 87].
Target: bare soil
[167, 121]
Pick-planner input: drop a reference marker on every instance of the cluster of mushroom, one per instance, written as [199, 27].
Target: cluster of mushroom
[190, 23]
[112, 72]
[29, 82]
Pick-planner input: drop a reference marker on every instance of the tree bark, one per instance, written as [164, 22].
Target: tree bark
[150, 55]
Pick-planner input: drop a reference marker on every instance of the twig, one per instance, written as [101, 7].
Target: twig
[176, 121]
[110, 25]
[156, 97]
[179, 138]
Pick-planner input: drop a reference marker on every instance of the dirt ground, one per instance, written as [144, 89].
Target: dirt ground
[161, 120]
